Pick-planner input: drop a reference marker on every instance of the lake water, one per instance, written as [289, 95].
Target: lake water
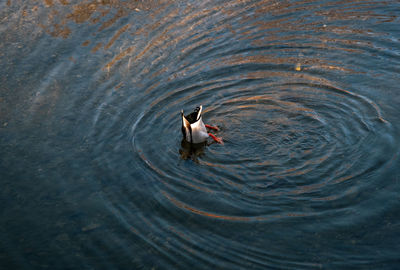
[93, 171]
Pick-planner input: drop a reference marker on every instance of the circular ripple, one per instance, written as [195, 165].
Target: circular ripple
[295, 139]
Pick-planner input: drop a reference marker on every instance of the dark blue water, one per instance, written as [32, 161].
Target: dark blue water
[92, 170]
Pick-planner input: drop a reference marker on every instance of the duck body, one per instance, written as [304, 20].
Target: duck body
[193, 129]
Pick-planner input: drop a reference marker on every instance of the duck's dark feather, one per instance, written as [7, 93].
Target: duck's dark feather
[193, 117]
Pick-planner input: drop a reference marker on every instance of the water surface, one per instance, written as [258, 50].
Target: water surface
[306, 95]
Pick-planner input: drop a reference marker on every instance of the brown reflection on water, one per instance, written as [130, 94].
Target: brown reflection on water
[164, 38]
[203, 213]
[63, 12]
[59, 18]
[261, 218]
[355, 10]
[116, 36]
[327, 15]
[295, 63]
[120, 56]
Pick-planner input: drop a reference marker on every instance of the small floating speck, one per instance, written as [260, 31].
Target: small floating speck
[90, 227]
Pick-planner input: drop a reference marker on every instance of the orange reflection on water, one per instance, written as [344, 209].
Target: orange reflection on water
[119, 32]
[62, 12]
[154, 168]
[120, 56]
[182, 205]
[203, 213]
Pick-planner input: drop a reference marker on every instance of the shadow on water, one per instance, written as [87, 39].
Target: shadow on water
[94, 171]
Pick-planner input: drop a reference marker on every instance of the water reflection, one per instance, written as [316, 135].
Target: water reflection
[92, 158]
[192, 151]
[104, 13]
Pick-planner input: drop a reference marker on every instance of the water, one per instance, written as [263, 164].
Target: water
[92, 169]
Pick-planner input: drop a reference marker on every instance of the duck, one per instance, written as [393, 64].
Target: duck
[194, 131]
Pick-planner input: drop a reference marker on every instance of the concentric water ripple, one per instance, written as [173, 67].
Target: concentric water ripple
[290, 140]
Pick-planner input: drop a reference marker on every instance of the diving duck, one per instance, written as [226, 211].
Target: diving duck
[194, 130]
